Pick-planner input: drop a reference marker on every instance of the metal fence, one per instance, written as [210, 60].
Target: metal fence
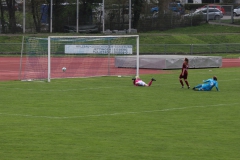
[188, 49]
[116, 18]
[162, 49]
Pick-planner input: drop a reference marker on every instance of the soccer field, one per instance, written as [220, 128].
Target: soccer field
[108, 118]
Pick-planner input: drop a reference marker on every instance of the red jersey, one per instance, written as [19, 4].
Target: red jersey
[185, 69]
[184, 73]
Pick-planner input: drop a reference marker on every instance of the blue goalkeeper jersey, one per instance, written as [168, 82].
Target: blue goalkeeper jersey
[209, 84]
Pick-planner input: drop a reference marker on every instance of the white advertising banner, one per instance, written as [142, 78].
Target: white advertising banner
[98, 49]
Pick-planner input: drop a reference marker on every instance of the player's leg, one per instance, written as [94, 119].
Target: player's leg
[180, 80]
[186, 81]
[150, 83]
[205, 87]
[144, 84]
[134, 79]
[197, 87]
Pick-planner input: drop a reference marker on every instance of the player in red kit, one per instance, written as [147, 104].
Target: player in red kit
[138, 82]
[184, 73]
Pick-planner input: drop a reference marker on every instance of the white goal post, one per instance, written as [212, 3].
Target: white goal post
[81, 56]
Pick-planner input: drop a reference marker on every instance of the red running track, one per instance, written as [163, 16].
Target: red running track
[10, 66]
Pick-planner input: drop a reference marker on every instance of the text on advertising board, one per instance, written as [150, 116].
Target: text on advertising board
[98, 49]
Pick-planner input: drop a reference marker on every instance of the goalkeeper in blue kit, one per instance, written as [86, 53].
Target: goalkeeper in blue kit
[207, 85]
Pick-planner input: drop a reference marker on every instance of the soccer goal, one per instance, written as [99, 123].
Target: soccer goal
[79, 56]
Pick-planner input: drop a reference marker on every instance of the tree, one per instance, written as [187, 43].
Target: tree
[228, 1]
[11, 14]
[86, 11]
[138, 4]
[2, 17]
[36, 14]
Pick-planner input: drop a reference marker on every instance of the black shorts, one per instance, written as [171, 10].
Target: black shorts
[183, 76]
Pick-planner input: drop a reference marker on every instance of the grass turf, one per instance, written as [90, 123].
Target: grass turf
[109, 118]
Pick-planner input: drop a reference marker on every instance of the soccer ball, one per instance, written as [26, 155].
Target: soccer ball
[64, 69]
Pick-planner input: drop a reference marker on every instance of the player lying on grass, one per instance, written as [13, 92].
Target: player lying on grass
[138, 82]
[207, 85]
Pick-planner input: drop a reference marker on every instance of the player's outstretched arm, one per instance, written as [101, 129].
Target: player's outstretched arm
[205, 81]
[217, 87]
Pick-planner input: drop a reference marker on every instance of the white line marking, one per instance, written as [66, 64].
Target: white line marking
[115, 114]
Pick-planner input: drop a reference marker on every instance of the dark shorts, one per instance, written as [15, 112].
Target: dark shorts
[183, 76]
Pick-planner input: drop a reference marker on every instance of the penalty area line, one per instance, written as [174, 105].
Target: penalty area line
[116, 114]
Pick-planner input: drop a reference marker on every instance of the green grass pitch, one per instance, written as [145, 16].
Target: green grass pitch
[107, 118]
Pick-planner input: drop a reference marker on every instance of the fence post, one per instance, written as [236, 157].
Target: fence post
[191, 48]
[164, 48]
[210, 49]
[226, 48]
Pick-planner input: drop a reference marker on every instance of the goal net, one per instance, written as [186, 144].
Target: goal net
[80, 56]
